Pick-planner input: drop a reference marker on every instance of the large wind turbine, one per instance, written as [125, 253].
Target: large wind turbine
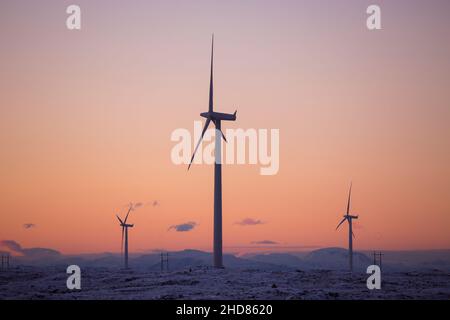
[125, 227]
[349, 218]
[216, 118]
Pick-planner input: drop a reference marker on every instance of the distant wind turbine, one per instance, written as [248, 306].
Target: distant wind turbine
[125, 226]
[349, 218]
[216, 118]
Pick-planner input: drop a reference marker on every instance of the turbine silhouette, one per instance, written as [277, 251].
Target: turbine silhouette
[124, 242]
[351, 235]
[216, 118]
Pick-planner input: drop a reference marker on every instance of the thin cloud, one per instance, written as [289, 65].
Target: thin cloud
[249, 222]
[265, 242]
[184, 227]
[34, 253]
[134, 205]
[11, 245]
[279, 246]
[153, 203]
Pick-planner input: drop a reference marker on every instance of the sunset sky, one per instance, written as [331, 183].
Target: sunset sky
[86, 118]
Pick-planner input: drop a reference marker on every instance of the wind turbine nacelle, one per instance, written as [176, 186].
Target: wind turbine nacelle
[352, 217]
[219, 116]
[127, 225]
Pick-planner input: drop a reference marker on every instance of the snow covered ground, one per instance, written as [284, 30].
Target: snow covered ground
[207, 283]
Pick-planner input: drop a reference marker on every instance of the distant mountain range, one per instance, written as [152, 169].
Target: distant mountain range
[322, 259]
[325, 259]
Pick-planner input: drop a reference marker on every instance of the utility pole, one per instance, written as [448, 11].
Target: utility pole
[5, 261]
[380, 254]
[377, 258]
[164, 261]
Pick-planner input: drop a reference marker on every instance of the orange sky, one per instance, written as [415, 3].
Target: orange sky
[86, 118]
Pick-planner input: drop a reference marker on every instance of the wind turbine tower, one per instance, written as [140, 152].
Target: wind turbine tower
[125, 226]
[216, 118]
[351, 235]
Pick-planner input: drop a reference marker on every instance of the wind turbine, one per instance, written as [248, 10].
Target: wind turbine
[349, 218]
[216, 118]
[125, 227]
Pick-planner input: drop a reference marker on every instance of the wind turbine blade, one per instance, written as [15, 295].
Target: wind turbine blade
[341, 223]
[129, 210]
[349, 197]
[121, 222]
[200, 140]
[221, 132]
[211, 89]
[223, 136]
[353, 235]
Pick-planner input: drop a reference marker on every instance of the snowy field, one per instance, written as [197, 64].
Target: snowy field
[205, 283]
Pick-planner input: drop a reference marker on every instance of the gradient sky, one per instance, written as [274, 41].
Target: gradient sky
[86, 118]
